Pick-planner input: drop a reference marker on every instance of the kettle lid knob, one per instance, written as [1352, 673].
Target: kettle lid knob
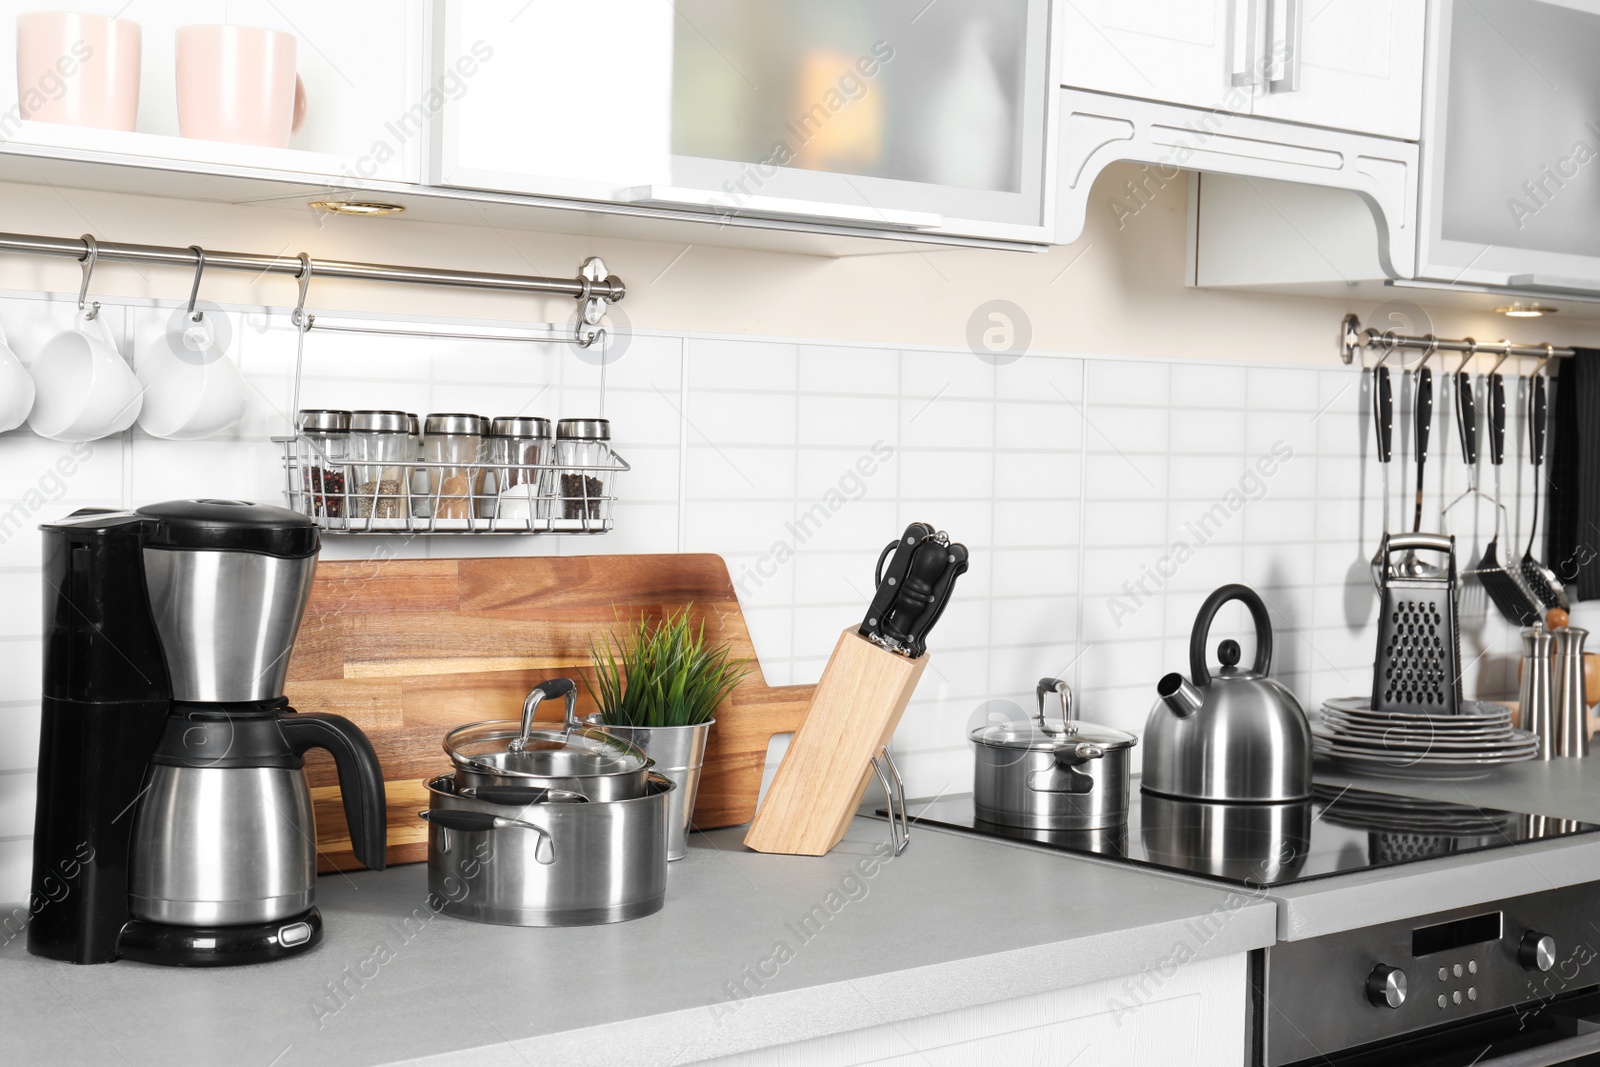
[1228, 652]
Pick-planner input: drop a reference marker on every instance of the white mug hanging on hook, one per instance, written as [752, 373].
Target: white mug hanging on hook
[192, 389]
[16, 388]
[85, 389]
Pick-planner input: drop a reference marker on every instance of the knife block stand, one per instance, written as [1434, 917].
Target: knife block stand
[824, 775]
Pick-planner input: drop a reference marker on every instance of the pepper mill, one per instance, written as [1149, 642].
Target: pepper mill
[1571, 706]
[1537, 695]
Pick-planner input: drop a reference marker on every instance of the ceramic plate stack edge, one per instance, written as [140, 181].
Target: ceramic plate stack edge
[1415, 744]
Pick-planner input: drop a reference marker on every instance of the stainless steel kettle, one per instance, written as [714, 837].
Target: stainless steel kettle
[1235, 736]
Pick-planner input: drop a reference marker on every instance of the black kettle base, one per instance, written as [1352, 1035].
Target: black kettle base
[219, 946]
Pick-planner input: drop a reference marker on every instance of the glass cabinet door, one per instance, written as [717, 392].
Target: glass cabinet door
[1511, 151]
[907, 114]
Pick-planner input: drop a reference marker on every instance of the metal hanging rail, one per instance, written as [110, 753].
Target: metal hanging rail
[1353, 339]
[593, 287]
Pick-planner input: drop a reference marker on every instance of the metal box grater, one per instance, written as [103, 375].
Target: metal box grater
[1418, 666]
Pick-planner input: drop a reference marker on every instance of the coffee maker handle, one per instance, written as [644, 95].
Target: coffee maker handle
[360, 778]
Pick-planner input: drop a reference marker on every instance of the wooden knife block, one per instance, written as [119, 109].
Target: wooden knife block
[824, 775]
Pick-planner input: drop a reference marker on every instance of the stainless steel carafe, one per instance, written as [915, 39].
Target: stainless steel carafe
[224, 835]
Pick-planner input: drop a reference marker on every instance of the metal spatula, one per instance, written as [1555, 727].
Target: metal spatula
[1504, 587]
[1541, 580]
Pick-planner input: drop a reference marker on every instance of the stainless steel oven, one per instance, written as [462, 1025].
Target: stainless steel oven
[1513, 983]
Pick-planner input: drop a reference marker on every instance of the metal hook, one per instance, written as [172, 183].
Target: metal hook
[299, 317]
[194, 290]
[1468, 356]
[90, 256]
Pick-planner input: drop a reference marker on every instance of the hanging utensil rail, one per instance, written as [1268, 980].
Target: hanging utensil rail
[1353, 339]
[593, 287]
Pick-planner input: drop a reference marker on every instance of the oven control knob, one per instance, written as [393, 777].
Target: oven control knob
[1537, 951]
[1386, 986]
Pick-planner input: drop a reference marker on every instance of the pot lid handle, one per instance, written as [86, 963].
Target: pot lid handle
[1059, 687]
[1202, 630]
[555, 687]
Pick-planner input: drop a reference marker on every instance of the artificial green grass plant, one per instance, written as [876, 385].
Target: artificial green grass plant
[661, 673]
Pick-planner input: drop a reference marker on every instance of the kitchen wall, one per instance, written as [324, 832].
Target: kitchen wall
[793, 414]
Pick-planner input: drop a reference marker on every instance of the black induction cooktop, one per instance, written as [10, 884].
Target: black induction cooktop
[1339, 830]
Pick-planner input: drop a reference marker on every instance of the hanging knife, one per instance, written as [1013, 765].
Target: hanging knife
[913, 588]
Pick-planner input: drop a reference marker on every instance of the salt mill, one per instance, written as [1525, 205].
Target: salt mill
[1571, 706]
[1537, 693]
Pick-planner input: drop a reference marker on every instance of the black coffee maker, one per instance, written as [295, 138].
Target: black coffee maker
[174, 821]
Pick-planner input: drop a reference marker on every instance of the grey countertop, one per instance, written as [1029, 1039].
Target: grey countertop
[954, 921]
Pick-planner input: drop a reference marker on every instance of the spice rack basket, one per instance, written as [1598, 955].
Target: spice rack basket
[556, 498]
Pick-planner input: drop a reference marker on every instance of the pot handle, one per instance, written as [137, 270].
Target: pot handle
[480, 821]
[1198, 670]
[521, 796]
[1065, 777]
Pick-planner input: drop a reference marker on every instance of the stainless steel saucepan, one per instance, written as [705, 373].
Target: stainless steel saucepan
[558, 861]
[1041, 775]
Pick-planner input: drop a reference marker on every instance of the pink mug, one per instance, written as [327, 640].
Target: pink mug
[79, 70]
[238, 84]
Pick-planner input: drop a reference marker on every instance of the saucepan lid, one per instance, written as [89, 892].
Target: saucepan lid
[564, 752]
[1026, 735]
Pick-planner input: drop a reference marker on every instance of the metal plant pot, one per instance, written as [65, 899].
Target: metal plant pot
[679, 753]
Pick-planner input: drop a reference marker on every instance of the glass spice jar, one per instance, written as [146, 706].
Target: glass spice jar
[518, 445]
[327, 435]
[455, 441]
[583, 443]
[379, 455]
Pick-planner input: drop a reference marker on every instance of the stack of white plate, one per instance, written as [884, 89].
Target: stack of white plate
[1416, 744]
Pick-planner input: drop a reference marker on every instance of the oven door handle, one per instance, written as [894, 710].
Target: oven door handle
[1563, 1051]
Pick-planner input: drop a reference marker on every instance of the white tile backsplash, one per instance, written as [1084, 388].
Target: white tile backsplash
[1102, 500]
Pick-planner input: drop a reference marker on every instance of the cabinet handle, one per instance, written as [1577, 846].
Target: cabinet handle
[1245, 40]
[1284, 19]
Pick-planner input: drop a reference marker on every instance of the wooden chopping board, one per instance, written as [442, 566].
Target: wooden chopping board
[409, 649]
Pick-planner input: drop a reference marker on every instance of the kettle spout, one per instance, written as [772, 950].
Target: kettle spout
[1179, 695]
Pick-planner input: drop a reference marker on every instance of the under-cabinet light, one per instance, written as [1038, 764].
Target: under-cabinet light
[357, 207]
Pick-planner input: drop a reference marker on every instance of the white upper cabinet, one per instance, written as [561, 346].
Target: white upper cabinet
[897, 115]
[562, 99]
[1511, 148]
[1193, 52]
[1351, 65]
[1347, 64]
[362, 70]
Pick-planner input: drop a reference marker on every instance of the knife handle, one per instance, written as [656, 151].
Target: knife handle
[1467, 419]
[1497, 419]
[1423, 412]
[1383, 412]
[1536, 414]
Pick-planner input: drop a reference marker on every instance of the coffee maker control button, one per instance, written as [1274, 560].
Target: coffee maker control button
[294, 934]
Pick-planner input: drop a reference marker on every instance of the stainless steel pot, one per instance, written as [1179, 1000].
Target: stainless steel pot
[679, 753]
[551, 863]
[576, 758]
[1051, 776]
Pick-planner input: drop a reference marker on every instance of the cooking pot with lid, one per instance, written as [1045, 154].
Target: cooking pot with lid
[1041, 775]
[573, 757]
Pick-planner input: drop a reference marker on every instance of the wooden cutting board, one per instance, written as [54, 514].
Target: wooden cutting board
[409, 649]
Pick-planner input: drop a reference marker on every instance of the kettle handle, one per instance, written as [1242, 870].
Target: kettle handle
[360, 777]
[1202, 630]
